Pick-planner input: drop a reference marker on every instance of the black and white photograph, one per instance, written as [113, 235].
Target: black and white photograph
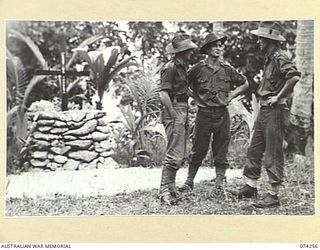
[161, 117]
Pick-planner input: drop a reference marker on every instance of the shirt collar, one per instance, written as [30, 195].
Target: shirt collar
[270, 52]
[179, 62]
[220, 63]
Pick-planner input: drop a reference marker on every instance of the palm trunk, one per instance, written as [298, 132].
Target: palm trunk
[302, 104]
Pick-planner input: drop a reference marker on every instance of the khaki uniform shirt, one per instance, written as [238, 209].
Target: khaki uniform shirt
[212, 85]
[278, 68]
[174, 79]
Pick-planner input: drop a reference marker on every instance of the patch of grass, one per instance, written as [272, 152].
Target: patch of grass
[297, 198]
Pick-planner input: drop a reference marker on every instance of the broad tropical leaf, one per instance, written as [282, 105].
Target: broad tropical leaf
[33, 82]
[33, 47]
[85, 56]
[111, 62]
[123, 64]
[82, 45]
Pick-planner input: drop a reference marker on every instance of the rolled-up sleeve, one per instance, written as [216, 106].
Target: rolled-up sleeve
[287, 68]
[167, 78]
[237, 78]
[191, 78]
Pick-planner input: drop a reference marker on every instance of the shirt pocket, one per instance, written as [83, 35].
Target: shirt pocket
[204, 84]
[181, 82]
[271, 76]
[271, 82]
[224, 84]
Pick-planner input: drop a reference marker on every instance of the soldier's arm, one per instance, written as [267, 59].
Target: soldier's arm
[167, 79]
[191, 80]
[166, 101]
[285, 91]
[290, 73]
[240, 81]
[239, 90]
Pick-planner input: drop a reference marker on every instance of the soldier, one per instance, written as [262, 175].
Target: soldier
[174, 86]
[280, 77]
[214, 84]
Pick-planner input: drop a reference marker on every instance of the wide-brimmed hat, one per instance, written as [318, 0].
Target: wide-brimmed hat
[270, 30]
[169, 49]
[209, 40]
[180, 42]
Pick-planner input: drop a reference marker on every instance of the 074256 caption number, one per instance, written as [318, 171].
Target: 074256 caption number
[308, 246]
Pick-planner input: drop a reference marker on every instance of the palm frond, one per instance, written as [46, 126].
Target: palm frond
[16, 74]
[128, 116]
[12, 74]
[13, 112]
[72, 85]
[135, 92]
[33, 47]
[33, 82]
[22, 127]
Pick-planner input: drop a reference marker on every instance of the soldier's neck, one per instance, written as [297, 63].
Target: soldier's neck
[271, 48]
[181, 60]
[213, 61]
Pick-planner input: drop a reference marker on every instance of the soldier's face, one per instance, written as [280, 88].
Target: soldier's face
[216, 50]
[263, 43]
[187, 54]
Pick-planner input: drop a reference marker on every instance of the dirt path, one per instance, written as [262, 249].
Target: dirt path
[95, 182]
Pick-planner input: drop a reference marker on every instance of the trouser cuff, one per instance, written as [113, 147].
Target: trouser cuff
[274, 189]
[250, 182]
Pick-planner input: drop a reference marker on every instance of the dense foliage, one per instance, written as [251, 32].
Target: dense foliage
[33, 45]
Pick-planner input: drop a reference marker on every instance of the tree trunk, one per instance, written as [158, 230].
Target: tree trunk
[302, 104]
[217, 27]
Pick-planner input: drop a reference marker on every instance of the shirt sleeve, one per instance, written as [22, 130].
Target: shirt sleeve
[191, 77]
[167, 77]
[237, 78]
[287, 67]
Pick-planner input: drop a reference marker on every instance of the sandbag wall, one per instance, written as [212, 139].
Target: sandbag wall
[70, 140]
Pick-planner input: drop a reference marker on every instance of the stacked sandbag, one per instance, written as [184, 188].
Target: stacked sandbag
[70, 140]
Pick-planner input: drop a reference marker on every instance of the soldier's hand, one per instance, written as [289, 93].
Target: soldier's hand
[228, 100]
[273, 100]
[173, 114]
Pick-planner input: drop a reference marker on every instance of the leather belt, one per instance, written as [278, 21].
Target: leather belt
[212, 109]
[179, 99]
[264, 102]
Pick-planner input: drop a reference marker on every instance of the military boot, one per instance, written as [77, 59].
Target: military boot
[168, 194]
[220, 176]
[268, 201]
[218, 191]
[246, 192]
[187, 187]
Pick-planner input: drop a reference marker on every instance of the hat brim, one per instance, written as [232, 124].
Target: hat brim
[279, 38]
[204, 48]
[171, 50]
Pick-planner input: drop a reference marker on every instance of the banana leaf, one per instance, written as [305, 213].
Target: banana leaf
[82, 45]
[123, 64]
[111, 62]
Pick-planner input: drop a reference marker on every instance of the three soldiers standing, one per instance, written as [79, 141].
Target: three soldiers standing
[213, 85]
